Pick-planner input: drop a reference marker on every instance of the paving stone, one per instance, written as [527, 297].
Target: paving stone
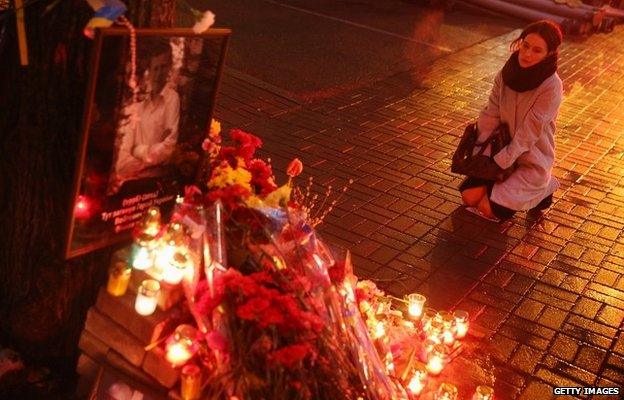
[526, 358]
[606, 277]
[611, 316]
[587, 308]
[529, 309]
[571, 371]
[564, 347]
[552, 317]
[537, 390]
[553, 277]
[502, 347]
[590, 358]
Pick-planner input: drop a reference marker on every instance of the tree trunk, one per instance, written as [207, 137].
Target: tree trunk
[43, 298]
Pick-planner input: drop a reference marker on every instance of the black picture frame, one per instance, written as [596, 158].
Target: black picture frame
[141, 147]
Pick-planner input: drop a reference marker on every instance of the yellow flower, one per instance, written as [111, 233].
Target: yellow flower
[215, 128]
[278, 197]
[224, 176]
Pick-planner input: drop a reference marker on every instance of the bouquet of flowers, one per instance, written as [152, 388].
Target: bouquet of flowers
[279, 313]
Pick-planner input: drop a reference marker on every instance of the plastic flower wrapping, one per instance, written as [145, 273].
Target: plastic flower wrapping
[278, 312]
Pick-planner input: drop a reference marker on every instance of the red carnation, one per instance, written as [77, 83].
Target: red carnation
[261, 176]
[290, 355]
[252, 309]
[247, 143]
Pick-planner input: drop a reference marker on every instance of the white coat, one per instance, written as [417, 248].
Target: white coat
[531, 118]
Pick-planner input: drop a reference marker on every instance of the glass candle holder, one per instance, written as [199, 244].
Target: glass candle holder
[147, 297]
[436, 359]
[379, 330]
[428, 316]
[425, 349]
[190, 382]
[436, 332]
[448, 333]
[163, 254]
[441, 315]
[118, 278]
[484, 393]
[461, 323]
[176, 268]
[383, 308]
[418, 381]
[181, 345]
[142, 258]
[415, 305]
[147, 230]
[446, 391]
[151, 222]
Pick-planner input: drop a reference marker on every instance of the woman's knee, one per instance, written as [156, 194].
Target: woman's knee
[471, 197]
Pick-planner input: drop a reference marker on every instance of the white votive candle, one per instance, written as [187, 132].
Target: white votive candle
[415, 305]
[147, 297]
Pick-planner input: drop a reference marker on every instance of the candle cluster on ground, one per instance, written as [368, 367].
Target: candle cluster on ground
[162, 252]
[438, 333]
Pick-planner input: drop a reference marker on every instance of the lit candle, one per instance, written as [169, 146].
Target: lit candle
[425, 349]
[174, 240]
[190, 385]
[383, 308]
[448, 334]
[437, 359]
[436, 332]
[175, 269]
[164, 255]
[419, 379]
[147, 297]
[180, 346]
[142, 258]
[380, 330]
[446, 391]
[484, 393]
[428, 316]
[151, 223]
[118, 278]
[461, 323]
[178, 353]
[415, 302]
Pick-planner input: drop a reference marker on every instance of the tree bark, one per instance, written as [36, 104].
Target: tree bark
[43, 298]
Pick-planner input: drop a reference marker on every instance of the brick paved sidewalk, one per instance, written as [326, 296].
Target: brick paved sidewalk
[548, 294]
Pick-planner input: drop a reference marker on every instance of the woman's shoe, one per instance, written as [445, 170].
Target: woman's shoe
[544, 204]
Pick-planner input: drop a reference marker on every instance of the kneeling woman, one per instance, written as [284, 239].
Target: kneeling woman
[526, 95]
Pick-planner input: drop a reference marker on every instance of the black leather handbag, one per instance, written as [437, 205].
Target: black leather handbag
[470, 163]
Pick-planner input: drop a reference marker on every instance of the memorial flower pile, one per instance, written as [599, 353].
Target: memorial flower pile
[278, 313]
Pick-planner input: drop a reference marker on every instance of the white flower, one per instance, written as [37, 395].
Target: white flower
[206, 21]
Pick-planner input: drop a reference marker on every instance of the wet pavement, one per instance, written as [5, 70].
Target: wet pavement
[315, 49]
[546, 295]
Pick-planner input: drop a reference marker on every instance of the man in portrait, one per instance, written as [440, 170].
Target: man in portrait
[148, 129]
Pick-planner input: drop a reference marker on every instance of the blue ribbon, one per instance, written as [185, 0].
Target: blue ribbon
[112, 10]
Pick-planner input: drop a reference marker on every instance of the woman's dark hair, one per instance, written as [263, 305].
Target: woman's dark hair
[548, 30]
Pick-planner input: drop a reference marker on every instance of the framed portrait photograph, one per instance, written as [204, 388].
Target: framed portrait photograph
[149, 104]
